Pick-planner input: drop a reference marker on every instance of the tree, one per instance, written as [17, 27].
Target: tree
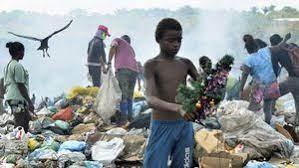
[271, 8]
[254, 9]
[265, 10]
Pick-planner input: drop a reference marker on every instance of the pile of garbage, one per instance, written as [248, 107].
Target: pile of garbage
[69, 132]
[73, 131]
[244, 139]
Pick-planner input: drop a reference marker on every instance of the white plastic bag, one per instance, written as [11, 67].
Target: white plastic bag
[108, 97]
[107, 152]
[116, 131]
[244, 126]
[44, 111]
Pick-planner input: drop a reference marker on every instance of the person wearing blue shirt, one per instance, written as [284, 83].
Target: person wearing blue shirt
[259, 66]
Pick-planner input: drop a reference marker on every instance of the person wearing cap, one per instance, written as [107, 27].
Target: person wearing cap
[126, 73]
[96, 55]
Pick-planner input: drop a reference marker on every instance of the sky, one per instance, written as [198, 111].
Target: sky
[110, 6]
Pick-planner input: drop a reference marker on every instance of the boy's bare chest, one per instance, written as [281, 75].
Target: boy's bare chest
[171, 72]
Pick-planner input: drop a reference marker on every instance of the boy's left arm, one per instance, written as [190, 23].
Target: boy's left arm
[192, 70]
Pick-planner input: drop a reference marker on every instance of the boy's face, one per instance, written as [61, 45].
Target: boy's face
[170, 43]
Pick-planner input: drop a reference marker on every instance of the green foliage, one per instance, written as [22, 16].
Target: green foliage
[208, 91]
[189, 96]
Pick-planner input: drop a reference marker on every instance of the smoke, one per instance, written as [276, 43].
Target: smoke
[211, 33]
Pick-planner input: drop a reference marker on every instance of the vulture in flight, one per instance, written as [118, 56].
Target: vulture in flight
[44, 42]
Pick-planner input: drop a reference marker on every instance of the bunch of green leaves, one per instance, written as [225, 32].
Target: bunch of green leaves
[189, 96]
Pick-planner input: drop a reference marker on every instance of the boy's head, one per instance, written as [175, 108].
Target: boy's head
[126, 38]
[205, 63]
[169, 36]
[275, 39]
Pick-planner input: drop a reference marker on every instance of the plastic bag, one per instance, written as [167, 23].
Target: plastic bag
[12, 158]
[33, 144]
[53, 109]
[66, 158]
[116, 131]
[93, 164]
[256, 164]
[47, 121]
[62, 103]
[138, 94]
[138, 107]
[82, 91]
[73, 146]
[108, 97]
[7, 165]
[248, 128]
[107, 152]
[277, 119]
[5, 117]
[87, 164]
[61, 125]
[65, 114]
[20, 134]
[50, 143]
[35, 127]
[44, 111]
[43, 154]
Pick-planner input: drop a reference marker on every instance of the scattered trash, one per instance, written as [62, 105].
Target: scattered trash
[73, 146]
[116, 131]
[82, 91]
[67, 158]
[134, 148]
[139, 107]
[256, 164]
[45, 111]
[91, 118]
[141, 121]
[43, 154]
[50, 143]
[65, 114]
[84, 128]
[210, 141]
[74, 133]
[241, 125]
[107, 152]
[221, 159]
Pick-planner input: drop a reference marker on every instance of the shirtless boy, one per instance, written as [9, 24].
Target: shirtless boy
[171, 133]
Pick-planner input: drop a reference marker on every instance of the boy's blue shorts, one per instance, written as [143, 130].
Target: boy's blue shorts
[170, 139]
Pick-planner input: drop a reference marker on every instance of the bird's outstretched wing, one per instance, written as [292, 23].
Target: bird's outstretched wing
[27, 37]
[60, 29]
